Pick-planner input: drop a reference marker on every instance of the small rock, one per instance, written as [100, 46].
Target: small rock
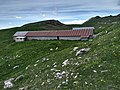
[21, 88]
[83, 50]
[75, 48]
[8, 83]
[15, 67]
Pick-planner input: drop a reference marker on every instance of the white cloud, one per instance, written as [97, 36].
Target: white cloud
[43, 15]
[10, 23]
[68, 11]
[75, 22]
[18, 17]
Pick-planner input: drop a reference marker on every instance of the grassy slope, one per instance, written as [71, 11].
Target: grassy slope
[97, 69]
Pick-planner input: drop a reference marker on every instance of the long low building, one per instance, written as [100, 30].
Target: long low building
[79, 34]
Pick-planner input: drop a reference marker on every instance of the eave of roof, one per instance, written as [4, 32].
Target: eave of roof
[20, 33]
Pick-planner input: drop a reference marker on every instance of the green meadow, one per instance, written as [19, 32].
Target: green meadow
[54, 65]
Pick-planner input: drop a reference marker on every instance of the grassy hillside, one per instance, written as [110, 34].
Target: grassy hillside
[53, 65]
[103, 23]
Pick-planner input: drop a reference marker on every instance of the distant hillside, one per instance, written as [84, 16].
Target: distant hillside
[103, 23]
[56, 65]
[45, 25]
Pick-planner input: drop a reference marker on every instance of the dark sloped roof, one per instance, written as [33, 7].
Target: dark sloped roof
[84, 33]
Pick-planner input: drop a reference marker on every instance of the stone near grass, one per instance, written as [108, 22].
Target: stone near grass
[83, 50]
[8, 83]
[24, 88]
[21, 88]
[75, 48]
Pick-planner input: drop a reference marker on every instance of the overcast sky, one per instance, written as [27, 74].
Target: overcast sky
[18, 12]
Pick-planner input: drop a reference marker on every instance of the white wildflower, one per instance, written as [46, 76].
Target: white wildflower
[48, 80]
[35, 65]
[42, 83]
[55, 65]
[63, 82]
[77, 64]
[48, 65]
[75, 77]
[59, 75]
[66, 62]
[36, 75]
[104, 71]
[86, 83]
[51, 49]
[27, 67]
[59, 86]
[99, 65]
[52, 69]
[72, 74]
[37, 61]
[75, 82]
[47, 59]
[94, 71]
[56, 48]
[63, 72]
[79, 57]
